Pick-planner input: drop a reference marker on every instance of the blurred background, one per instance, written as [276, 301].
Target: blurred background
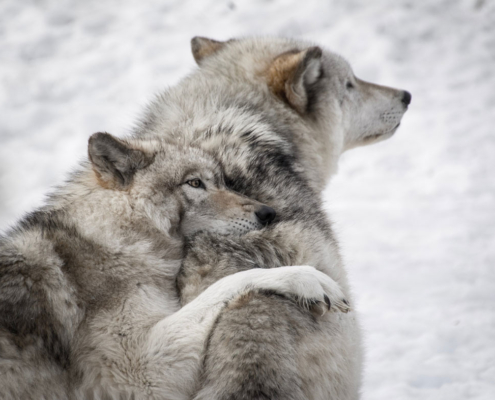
[415, 214]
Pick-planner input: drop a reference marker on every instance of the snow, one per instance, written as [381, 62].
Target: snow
[415, 214]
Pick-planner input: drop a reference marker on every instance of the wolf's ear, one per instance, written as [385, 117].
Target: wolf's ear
[292, 75]
[114, 162]
[202, 47]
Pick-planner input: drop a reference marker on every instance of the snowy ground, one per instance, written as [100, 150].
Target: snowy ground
[415, 214]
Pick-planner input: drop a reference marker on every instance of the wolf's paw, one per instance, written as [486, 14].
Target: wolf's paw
[311, 288]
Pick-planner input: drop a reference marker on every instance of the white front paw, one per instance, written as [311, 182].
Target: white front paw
[311, 288]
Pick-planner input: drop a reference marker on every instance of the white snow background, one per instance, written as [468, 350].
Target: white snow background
[415, 214]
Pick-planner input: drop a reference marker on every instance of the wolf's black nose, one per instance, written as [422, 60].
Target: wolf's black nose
[265, 215]
[406, 98]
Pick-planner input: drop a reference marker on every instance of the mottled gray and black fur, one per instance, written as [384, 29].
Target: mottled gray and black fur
[277, 114]
[89, 307]
[88, 303]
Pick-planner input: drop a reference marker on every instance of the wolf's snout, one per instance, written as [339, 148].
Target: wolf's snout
[406, 98]
[265, 215]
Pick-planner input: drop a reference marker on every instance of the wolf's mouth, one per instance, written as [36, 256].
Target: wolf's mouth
[391, 131]
[381, 135]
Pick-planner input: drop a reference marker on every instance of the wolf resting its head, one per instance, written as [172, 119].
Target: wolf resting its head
[175, 188]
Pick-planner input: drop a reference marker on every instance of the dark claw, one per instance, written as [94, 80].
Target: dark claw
[345, 302]
[327, 301]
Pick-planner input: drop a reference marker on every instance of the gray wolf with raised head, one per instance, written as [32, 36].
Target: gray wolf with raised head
[88, 304]
[277, 114]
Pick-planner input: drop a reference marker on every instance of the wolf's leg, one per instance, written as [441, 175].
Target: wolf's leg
[175, 345]
[281, 356]
[210, 257]
[252, 351]
[264, 346]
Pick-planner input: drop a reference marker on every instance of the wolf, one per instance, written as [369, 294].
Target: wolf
[277, 114]
[88, 304]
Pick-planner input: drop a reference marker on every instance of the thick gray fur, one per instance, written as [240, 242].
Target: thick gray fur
[279, 144]
[88, 304]
[88, 284]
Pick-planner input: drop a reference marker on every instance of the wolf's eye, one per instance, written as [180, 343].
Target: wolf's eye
[196, 183]
[349, 85]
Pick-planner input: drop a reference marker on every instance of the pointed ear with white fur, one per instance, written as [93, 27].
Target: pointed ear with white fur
[202, 47]
[292, 75]
[114, 161]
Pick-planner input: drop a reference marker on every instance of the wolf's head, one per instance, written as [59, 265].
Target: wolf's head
[316, 86]
[179, 190]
